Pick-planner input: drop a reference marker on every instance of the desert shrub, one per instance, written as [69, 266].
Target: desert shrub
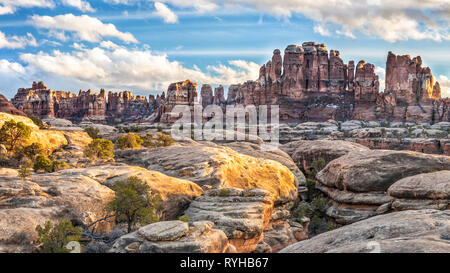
[133, 202]
[159, 129]
[330, 227]
[164, 140]
[148, 141]
[300, 212]
[43, 163]
[59, 165]
[130, 129]
[129, 141]
[184, 218]
[100, 148]
[320, 204]
[54, 238]
[25, 170]
[318, 164]
[31, 151]
[14, 135]
[315, 223]
[37, 121]
[94, 133]
[224, 192]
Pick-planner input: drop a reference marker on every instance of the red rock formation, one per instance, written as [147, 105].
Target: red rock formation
[180, 93]
[207, 95]
[7, 107]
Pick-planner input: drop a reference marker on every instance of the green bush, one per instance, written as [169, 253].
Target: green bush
[93, 132]
[184, 218]
[133, 202]
[129, 141]
[43, 163]
[14, 135]
[37, 121]
[320, 204]
[148, 141]
[159, 129]
[54, 238]
[59, 165]
[318, 164]
[32, 150]
[224, 192]
[100, 148]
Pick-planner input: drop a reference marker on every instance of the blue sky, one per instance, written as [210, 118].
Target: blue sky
[142, 46]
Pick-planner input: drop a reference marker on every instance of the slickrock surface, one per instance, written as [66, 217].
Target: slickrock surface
[420, 231]
[242, 215]
[357, 182]
[26, 204]
[428, 190]
[174, 237]
[176, 193]
[305, 152]
[219, 167]
[80, 195]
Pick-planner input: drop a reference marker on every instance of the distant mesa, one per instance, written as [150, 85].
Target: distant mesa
[308, 83]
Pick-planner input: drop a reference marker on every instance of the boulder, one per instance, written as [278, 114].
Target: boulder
[421, 231]
[219, 167]
[241, 214]
[174, 237]
[305, 152]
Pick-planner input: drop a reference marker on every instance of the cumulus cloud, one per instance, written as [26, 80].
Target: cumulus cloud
[110, 65]
[10, 6]
[164, 12]
[381, 72]
[79, 4]
[444, 82]
[390, 20]
[16, 41]
[84, 27]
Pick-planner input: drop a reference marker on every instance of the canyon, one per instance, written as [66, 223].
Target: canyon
[308, 83]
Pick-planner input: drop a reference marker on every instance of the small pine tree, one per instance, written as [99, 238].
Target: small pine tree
[133, 202]
[32, 150]
[54, 238]
[25, 170]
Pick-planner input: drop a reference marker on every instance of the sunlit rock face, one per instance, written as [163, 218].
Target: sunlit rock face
[7, 107]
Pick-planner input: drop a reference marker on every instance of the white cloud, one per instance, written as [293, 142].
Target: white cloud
[113, 66]
[16, 41]
[164, 12]
[444, 82]
[381, 72]
[79, 4]
[84, 27]
[10, 6]
[322, 30]
[390, 20]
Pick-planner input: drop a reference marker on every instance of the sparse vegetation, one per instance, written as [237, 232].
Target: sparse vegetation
[37, 121]
[59, 165]
[31, 151]
[25, 169]
[224, 192]
[164, 140]
[14, 135]
[148, 141]
[93, 132]
[42, 163]
[129, 141]
[184, 218]
[130, 129]
[133, 202]
[54, 238]
[100, 148]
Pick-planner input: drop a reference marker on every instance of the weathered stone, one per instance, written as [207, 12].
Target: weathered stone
[421, 231]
